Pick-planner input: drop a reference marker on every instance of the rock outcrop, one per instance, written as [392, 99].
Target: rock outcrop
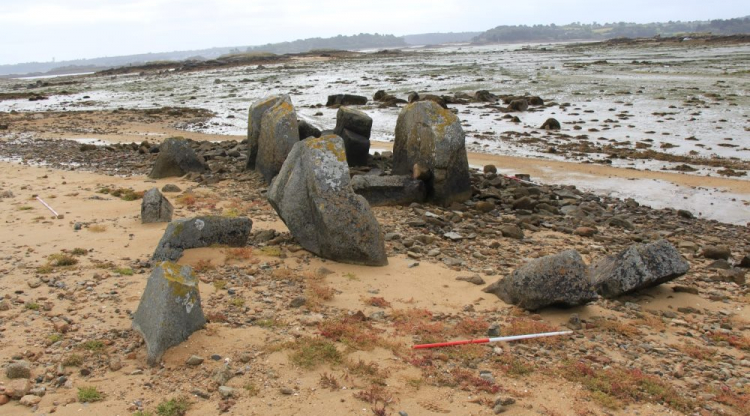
[155, 207]
[354, 127]
[432, 137]
[176, 158]
[201, 232]
[313, 196]
[170, 309]
[557, 280]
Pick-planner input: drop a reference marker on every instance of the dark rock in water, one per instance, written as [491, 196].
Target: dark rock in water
[557, 280]
[170, 187]
[254, 118]
[551, 124]
[683, 213]
[638, 267]
[389, 190]
[345, 99]
[717, 252]
[313, 196]
[170, 309]
[379, 95]
[413, 97]
[354, 127]
[201, 232]
[431, 136]
[535, 100]
[485, 96]
[435, 99]
[518, 105]
[307, 130]
[155, 207]
[176, 158]
[279, 131]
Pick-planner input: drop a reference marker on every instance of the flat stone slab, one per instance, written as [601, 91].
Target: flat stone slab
[199, 232]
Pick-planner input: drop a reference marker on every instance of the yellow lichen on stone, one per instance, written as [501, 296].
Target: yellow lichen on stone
[325, 143]
[177, 282]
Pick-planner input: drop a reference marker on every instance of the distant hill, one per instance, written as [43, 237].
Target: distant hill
[595, 31]
[440, 38]
[354, 42]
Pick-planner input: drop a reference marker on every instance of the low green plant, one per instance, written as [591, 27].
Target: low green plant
[89, 395]
[310, 352]
[124, 271]
[173, 407]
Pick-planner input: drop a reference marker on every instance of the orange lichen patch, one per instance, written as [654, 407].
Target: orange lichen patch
[181, 285]
[326, 144]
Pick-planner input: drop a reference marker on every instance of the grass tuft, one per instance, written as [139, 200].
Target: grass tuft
[173, 407]
[89, 395]
[311, 352]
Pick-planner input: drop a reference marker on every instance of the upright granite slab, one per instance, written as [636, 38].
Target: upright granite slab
[254, 117]
[313, 196]
[354, 127]
[431, 136]
[155, 207]
[279, 132]
[170, 309]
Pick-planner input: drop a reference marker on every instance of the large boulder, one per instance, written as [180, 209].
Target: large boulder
[432, 137]
[389, 190]
[307, 130]
[557, 280]
[155, 207]
[637, 267]
[354, 127]
[313, 196]
[345, 99]
[254, 117]
[198, 232]
[279, 131]
[170, 309]
[176, 158]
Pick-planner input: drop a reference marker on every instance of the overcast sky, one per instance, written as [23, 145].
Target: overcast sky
[39, 30]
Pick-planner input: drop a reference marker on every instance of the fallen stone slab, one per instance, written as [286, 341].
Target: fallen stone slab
[198, 232]
[637, 267]
[170, 309]
[176, 158]
[345, 99]
[556, 280]
[155, 207]
[389, 190]
[313, 196]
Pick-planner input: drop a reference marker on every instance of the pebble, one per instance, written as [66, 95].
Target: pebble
[286, 391]
[226, 392]
[4, 399]
[18, 369]
[216, 357]
[30, 400]
[475, 279]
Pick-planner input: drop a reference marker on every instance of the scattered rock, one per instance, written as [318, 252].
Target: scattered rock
[490, 169]
[432, 136]
[170, 187]
[194, 360]
[313, 196]
[201, 232]
[683, 213]
[574, 322]
[389, 190]
[475, 279]
[18, 369]
[512, 231]
[585, 231]
[717, 252]
[30, 400]
[18, 388]
[551, 124]
[226, 392]
[518, 105]
[639, 266]
[155, 207]
[354, 127]
[176, 158]
[170, 309]
[745, 262]
[557, 280]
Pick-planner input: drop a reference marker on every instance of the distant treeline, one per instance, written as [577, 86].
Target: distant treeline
[361, 41]
[596, 31]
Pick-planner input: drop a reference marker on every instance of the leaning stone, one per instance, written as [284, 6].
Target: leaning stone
[201, 232]
[345, 99]
[354, 127]
[433, 137]
[18, 369]
[313, 196]
[638, 267]
[170, 309]
[389, 190]
[155, 207]
[254, 117]
[279, 131]
[176, 158]
[557, 280]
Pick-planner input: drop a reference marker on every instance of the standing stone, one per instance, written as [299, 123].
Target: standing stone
[432, 136]
[638, 267]
[155, 207]
[176, 158]
[170, 309]
[313, 196]
[354, 127]
[279, 131]
[307, 130]
[389, 190]
[201, 232]
[557, 280]
[254, 117]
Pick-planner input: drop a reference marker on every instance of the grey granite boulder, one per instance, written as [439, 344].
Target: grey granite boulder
[307, 130]
[201, 232]
[254, 117]
[155, 207]
[637, 267]
[345, 99]
[176, 158]
[313, 196]
[389, 190]
[557, 280]
[170, 309]
[279, 131]
[431, 136]
[354, 127]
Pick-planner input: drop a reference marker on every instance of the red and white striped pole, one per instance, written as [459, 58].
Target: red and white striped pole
[490, 340]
